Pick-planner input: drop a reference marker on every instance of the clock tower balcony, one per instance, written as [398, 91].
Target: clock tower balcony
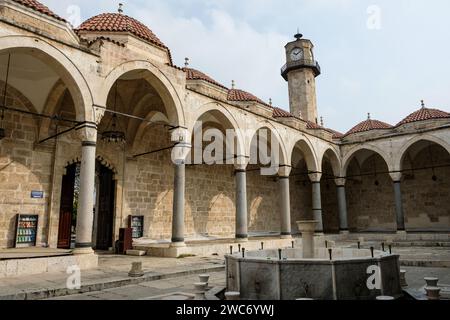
[300, 64]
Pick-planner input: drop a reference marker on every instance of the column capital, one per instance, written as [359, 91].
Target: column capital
[340, 182]
[396, 176]
[181, 135]
[284, 171]
[88, 133]
[315, 177]
[179, 152]
[241, 163]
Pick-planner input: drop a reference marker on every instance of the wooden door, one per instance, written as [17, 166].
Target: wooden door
[66, 208]
[105, 218]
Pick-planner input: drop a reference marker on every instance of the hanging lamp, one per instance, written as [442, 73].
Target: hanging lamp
[113, 133]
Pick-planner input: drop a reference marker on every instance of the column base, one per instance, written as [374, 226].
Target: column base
[344, 232]
[78, 251]
[178, 245]
[241, 240]
[286, 236]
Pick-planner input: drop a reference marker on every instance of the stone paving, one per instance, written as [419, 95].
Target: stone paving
[159, 289]
[112, 272]
[169, 276]
[413, 256]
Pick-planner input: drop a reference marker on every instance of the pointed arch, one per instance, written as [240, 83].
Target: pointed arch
[61, 64]
[156, 78]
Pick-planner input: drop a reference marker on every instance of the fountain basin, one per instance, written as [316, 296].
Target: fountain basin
[261, 275]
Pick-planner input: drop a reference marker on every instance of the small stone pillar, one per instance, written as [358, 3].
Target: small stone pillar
[433, 293]
[232, 295]
[200, 289]
[307, 229]
[136, 270]
[403, 282]
[204, 278]
[431, 281]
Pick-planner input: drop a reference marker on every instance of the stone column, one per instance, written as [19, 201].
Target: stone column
[342, 205]
[85, 213]
[400, 217]
[241, 201]
[178, 204]
[179, 154]
[285, 203]
[317, 200]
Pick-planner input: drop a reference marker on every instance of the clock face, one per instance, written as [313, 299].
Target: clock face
[296, 54]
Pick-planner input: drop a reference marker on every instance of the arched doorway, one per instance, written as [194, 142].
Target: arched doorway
[103, 209]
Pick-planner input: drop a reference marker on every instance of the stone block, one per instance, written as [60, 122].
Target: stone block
[138, 253]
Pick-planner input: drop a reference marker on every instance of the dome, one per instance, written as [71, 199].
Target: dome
[35, 5]
[424, 114]
[369, 125]
[117, 22]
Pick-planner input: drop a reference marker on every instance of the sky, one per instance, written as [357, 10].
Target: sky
[380, 56]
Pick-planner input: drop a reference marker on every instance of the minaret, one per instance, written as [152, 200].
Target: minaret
[300, 72]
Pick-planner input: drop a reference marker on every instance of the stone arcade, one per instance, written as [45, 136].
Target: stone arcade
[73, 85]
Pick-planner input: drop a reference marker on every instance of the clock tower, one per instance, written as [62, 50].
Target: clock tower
[300, 71]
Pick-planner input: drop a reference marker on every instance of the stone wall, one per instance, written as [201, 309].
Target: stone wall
[425, 201]
[370, 207]
[263, 196]
[149, 184]
[24, 167]
[210, 201]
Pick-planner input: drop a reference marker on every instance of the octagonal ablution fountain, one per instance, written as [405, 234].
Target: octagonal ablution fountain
[315, 273]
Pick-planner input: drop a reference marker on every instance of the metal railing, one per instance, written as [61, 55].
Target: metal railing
[301, 63]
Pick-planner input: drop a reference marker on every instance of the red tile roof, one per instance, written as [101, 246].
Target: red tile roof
[312, 125]
[336, 134]
[369, 125]
[192, 74]
[241, 95]
[116, 22]
[425, 114]
[35, 5]
[280, 113]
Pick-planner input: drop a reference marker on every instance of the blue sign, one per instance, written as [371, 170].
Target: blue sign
[37, 194]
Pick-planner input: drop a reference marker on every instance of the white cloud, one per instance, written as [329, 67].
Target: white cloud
[225, 48]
